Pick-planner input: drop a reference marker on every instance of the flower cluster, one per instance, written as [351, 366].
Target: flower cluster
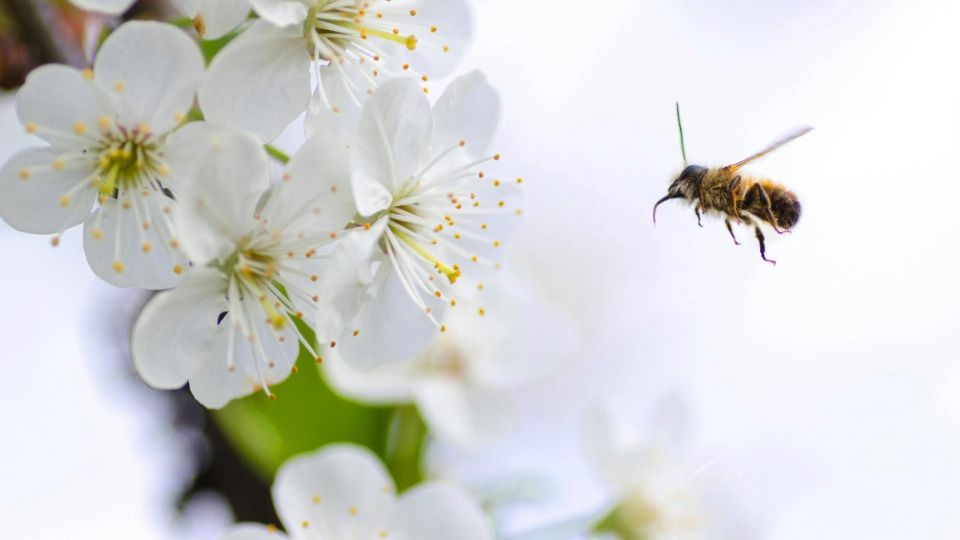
[375, 249]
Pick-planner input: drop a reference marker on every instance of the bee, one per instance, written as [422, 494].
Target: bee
[737, 196]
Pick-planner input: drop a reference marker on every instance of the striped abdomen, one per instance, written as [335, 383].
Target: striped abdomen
[784, 204]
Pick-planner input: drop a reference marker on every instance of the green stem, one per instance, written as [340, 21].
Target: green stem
[405, 447]
[276, 153]
[683, 148]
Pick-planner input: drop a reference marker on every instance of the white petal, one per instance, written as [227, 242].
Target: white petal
[393, 138]
[385, 385]
[439, 511]
[346, 284]
[174, 332]
[109, 7]
[529, 340]
[35, 204]
[255, 363]
[463, 413]
[252, 531]
[315, 195]
[216, 207]
[337, 102]
[260, 82]
[157, 68]
[214, 18]
[147, 258]
[342, 490]
[468, 110]
[184, 148]
[454, 31]
[59, 102]
[389, 327]
[282, 12]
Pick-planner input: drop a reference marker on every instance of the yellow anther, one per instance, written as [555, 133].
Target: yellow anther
[59, 164]
[413, 13]
[24, 173]
[119, 86]
[104, 122]
[97, 234]
[519, 180]
[406, 67]
[146, 247]
[316, 499]
[177, 269]
[199, 25]
[31, 127]
[118, 267]
[433, 29]
[356, 332]
[88, 74]
[446, 48]
[79, 127]
[64, 201]
[481, 312]
[354, 511]
[305, 524]
[443, 328]
[55, 241]
[412, 43]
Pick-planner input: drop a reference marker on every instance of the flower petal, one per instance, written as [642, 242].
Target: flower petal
[438, 53]
[214, 18]
[155, 67]
[59, 103]
[463, 413]
[346, 284]
[389, 327]
[109, 7]
[315, 196]
[124, 252]
[246, 366]
[185, 147]
[216, 207]
[386, 385]
[259, 82]
[440, 510]
[393, 138]
[468, 110]
[252, 531]
[174, 332]
[33, 191]
[342, 490]
[282, 12]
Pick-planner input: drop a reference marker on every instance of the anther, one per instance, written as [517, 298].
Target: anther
[118, 267]
[88, 74]
[79, 127]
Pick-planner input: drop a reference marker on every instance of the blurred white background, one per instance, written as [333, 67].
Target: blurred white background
[824, 390]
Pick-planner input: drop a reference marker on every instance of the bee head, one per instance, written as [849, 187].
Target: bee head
[686, 186]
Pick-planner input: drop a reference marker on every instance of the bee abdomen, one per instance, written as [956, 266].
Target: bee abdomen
[784, 204]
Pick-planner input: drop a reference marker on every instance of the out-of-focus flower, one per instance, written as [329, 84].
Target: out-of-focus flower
[260, 82]
[465, 381]
[109, 131]
[214, 18]
[230, 327]
[343, 491]
[437, 220]
[658, 495]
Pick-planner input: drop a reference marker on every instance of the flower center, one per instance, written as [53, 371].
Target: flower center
[127, 159]
[337, 27]
[250, 273]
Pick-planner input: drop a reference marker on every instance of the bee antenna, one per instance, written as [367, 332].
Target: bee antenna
[683, 149]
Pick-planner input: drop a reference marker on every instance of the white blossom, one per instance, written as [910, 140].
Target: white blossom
[261, 81]
[465, 382]
[230, 327]
[659, 493]
[433, 220]
[214, 18]
[343, 491]
[109, 134]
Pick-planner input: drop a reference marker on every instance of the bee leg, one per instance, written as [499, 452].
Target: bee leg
[734, 184]
[700, 178]
[767, 210]
[730, 229]
[696, 210]
[763, 247]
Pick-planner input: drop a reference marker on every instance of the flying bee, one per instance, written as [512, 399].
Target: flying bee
[737, 196]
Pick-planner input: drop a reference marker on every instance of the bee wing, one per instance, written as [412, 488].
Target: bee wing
[789, 137]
